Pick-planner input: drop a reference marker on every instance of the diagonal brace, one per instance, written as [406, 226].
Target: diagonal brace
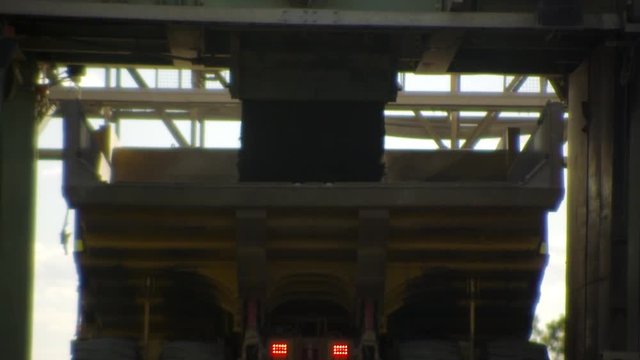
[491, 116]
[173, 129]
[429, 129]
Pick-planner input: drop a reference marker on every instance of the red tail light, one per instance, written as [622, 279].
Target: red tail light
[340, 351]
[279, 350]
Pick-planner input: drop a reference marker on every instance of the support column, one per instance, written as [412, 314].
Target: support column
[595, 262]
[252, 276]
[633, 214]
[372, 254]
[17, 179]
[371, 272]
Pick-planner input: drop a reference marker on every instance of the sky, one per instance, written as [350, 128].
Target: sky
[55, 295]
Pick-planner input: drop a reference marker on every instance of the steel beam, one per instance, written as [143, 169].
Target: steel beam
[310, 196]
[181, 98]
[454, 118]
[221, 79]
[217, 104]
[480, 129]
[513, 87]
[293, 16]
[173, 129]
[17, 204]
[49, 154]
[137, 78]
[443, 46]
[398, 126]
[470, 101]
[430, 132]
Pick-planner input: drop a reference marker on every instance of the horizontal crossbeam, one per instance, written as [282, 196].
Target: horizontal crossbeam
[189, 98]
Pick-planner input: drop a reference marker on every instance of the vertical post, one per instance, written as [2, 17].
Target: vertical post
[17, 203]
[252, 274]
[603, 89]
[107, 77]
[594, 268]
[543, 84]
[511, 141]
[203, 134]
[633, 219]
[371, 270]
[369, 315]
[576, 213]
[455, 83]
[402, 79]
[118, 125]
[198, 81]
[252, 316]
[147, 316]
[194, 132]
[454, 118]
[372, 253]
[472, 319]
[251, 253]
[119, 78]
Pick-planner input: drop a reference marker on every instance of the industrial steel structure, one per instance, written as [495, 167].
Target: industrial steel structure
[450, 113]
[389, 249]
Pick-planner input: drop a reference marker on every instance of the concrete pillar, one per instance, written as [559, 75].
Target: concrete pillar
[17, 178]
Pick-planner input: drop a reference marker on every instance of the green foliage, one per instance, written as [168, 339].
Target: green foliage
[552, 335]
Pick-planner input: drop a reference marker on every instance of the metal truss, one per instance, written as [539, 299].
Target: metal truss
[452, 116]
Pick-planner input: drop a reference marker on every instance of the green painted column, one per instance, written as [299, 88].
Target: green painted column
[17, 205]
